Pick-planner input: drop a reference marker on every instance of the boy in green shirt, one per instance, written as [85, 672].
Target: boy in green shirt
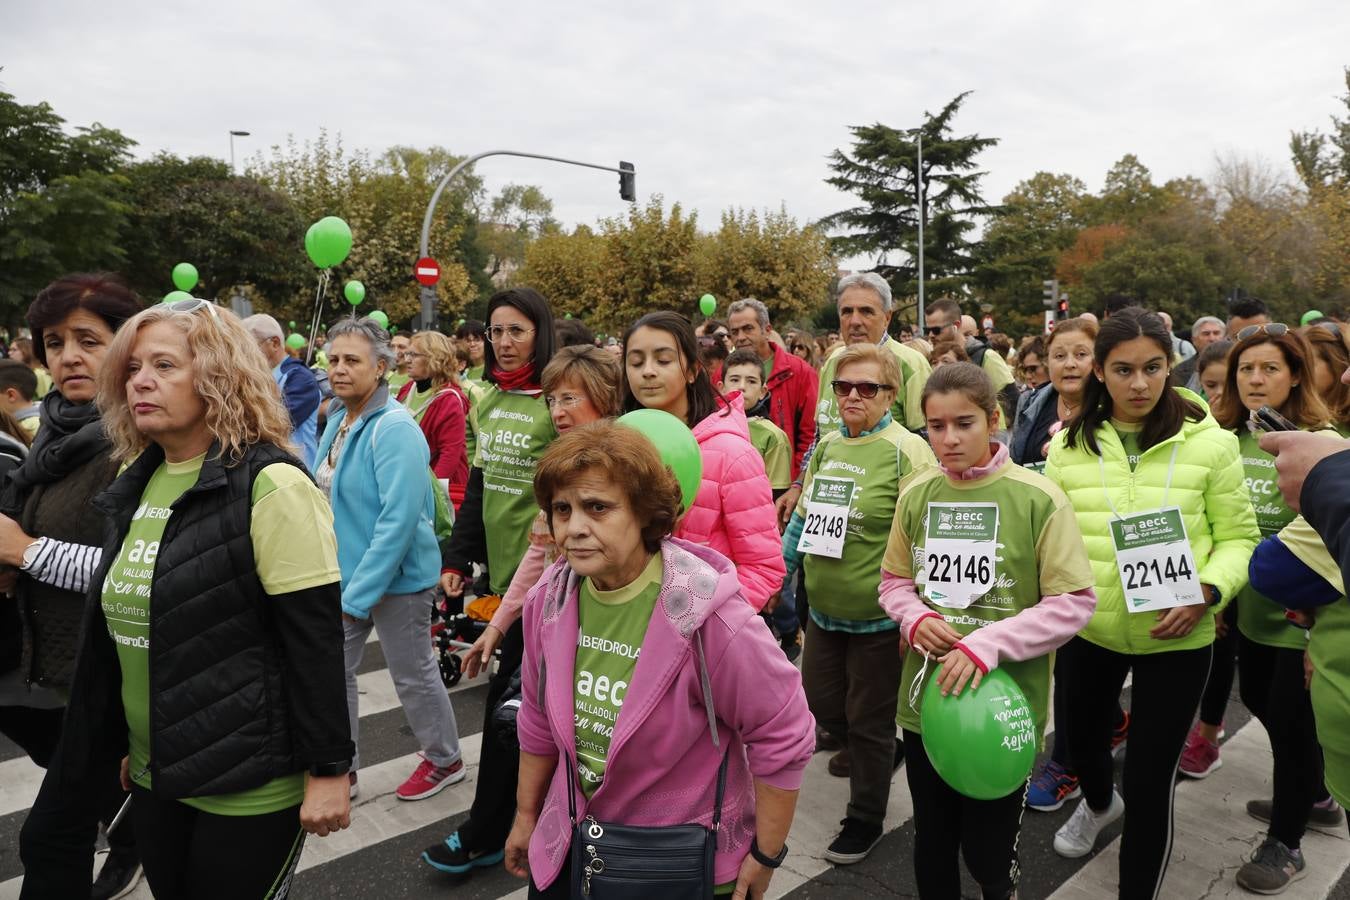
[744, 372]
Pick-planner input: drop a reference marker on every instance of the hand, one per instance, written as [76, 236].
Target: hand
[957, 669]
[518, 846]
[1178, 621]
[452, 583]
[772, 603]
[124, 773]
[349, 619]
[786, 504]
[13, 541]
[752, 882]
[1296, 452]
[479, 656]
[327, 806]
[8, 578]
[1307, 671]
[1220, 626]
[934, 636]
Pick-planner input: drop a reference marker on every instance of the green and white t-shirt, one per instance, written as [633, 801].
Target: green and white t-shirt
[773, 445]
[295, 549]
[876, 463]
[611, 627]
[1040, 552]
[514, 429]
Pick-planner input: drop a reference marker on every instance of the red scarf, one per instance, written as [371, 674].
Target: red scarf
[521, 379]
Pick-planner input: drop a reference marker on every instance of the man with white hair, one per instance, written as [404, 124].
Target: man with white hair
[1205, 331]
[299, 389]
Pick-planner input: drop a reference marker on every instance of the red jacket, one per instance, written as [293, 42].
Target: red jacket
[442, 423]
[793, 387]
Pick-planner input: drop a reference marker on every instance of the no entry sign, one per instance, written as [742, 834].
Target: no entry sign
[427, 271]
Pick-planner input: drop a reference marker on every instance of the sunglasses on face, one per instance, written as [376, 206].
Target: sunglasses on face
[935, 330]
[866, 389]
[1031, 370]
[1274, 329]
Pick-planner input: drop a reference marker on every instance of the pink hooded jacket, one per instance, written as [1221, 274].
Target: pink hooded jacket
[733, 512]
[662, 764]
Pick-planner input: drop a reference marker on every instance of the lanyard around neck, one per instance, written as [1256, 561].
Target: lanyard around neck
[1167, 489]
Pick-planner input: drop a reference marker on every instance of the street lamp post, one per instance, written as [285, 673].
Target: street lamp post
[923, 320]
[627, 190]
[234, 134]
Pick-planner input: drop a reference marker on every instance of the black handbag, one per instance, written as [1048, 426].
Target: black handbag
[611, 861]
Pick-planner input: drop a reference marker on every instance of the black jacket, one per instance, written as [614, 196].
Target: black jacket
[244, 687]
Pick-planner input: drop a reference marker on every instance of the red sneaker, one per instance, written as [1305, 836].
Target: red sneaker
[1120, 734]
[430, 779]
[1201, 757]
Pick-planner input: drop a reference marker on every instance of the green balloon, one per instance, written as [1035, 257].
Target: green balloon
[295, 342]
[176, 296]
[354, 291]
[379, 318]
[292, 326]
[1310, 316]
[707, 304]
[676, 444]
[982, 743]
[185, 276]
[328, 242]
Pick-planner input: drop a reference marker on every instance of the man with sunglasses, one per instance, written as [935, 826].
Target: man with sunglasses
[789, 381]
[944, 317]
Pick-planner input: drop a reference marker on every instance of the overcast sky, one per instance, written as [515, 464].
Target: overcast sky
[718, 104]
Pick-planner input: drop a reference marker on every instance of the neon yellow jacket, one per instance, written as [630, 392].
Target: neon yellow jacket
[1208, 487]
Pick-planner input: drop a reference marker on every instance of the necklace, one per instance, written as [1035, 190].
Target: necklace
[1066, 410]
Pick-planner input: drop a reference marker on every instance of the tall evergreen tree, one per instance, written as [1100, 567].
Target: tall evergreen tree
[883, 172]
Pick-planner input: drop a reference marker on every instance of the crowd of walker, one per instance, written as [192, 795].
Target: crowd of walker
[200, 532]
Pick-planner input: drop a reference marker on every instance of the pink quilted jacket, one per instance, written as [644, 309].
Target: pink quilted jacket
[733, 511]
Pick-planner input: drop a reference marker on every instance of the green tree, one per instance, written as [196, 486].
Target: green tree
[769, 257]
[62, 200]
[569, 270]
[882, 172]
[1324, 159]
[648, 263]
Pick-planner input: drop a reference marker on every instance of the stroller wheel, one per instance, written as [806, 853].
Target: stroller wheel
[451, 667]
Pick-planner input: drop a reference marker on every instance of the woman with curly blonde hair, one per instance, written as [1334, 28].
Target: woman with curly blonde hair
[439, 406]
[213, 664]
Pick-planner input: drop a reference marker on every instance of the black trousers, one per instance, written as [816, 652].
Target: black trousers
[192, 855]
[1165, 695]
[948, 824]
[1271, 686]
[494, 798]
[1221, 671]
[1059, 750]
[56, 843]
[36, 731]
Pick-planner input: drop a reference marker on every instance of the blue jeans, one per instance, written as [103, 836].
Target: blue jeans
[784, 618]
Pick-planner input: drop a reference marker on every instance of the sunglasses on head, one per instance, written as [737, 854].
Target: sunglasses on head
[1274, 329]
[866, 389]
[191, 306]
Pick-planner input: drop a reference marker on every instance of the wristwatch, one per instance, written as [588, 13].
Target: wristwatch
[768, 862]
[328, 770]
[30, 554]
[1218, 596]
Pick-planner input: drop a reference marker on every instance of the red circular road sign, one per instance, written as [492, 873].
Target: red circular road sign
[427, 271]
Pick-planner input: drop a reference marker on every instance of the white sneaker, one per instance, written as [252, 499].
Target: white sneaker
[1078, 835]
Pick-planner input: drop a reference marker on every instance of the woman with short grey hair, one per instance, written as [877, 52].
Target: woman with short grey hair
[372, 464]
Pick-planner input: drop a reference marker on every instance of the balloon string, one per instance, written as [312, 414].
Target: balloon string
[318, 310]
[916, 688]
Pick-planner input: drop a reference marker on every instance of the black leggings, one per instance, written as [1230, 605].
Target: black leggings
[195, 855]
[1271, 687]
[1220, 686]
[947, 823]
[1059, 751]
[1166, 692]
[494, 796]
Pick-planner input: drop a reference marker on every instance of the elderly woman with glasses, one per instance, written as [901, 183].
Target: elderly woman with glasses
[839, 533]
[210, 654]
[372, 463]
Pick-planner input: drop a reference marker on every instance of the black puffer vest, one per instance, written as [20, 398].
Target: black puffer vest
[218, 721]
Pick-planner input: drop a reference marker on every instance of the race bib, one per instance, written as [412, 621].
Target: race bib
[827, 517]
[960, 550]
[1157, 567]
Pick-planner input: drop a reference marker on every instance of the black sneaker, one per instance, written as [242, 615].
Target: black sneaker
[120, 873]
[1325, 816]
[855, 841]
[1271, 868]
[450, 856]
[792, 647]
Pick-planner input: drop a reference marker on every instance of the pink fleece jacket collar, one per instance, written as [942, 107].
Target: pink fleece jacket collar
[974, 472]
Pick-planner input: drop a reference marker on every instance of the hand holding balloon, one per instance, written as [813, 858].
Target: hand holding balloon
[957, 669]
[934, 636]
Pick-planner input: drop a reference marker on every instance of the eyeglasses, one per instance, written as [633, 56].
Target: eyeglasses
[513, 333]
[866, 389]
[1031, 370]
[566, 401]
[191, 306]
[1274, 329]
[413, 354]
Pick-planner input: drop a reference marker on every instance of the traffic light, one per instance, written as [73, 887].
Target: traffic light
[1062, 307]
[1050, 292]
[627, 181]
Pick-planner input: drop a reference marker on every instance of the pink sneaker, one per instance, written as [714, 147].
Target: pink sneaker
[430, 779]
[1201, 756]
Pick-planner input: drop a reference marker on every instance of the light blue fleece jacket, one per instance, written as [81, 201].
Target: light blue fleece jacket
[383, 507]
